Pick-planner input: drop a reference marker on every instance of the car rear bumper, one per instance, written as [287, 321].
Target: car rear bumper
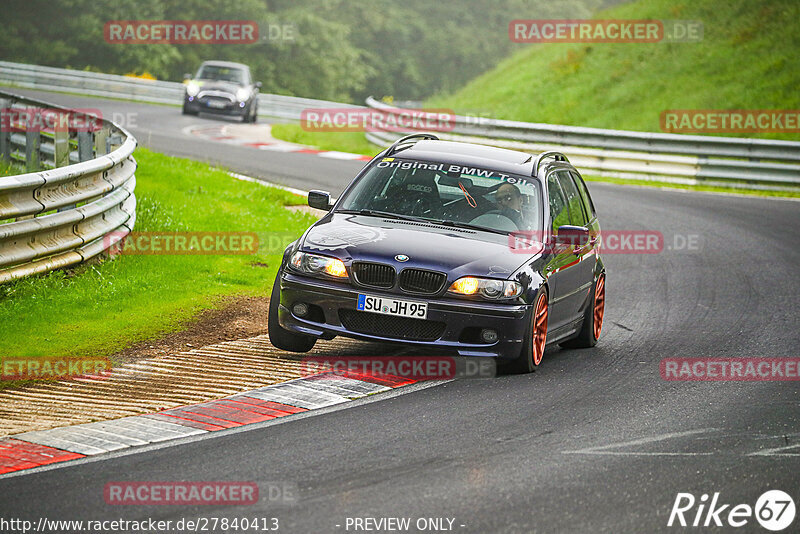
[452, 325]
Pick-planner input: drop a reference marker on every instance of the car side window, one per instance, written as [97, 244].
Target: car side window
[558, 205]
[587, 200]
[577, 215]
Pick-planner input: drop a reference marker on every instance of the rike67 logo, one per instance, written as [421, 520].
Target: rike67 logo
[774, 510]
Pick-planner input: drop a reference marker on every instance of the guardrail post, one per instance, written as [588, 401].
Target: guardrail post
[114, 142]
[101, 142]
[85, 146]
[61, 148]
[5, 131]
[33, 142]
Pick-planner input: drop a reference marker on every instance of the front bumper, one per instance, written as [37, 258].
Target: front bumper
[461, 318]
[201, 105]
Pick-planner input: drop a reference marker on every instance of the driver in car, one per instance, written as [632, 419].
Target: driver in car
[509, 201]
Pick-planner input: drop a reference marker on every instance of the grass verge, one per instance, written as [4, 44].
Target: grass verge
[100, 308]
[7, 169]
[352, 142]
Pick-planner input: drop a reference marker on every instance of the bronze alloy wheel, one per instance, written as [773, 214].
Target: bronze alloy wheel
[540, 328]
[599, 304]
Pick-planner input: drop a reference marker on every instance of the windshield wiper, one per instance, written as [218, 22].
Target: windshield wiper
[386, 214]
[468, 226]
[440, 222]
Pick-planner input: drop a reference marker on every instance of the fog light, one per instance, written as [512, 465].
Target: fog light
[488, 335]
[300, 309]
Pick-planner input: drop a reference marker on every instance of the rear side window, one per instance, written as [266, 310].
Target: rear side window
[577, 215]
[587, 200]
[558, 205]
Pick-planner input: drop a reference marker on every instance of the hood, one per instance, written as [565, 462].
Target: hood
[457, 252]
[215, 85]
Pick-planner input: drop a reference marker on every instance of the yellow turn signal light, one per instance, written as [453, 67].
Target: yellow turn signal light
[466, 286]
[336, 268]
[488, 288]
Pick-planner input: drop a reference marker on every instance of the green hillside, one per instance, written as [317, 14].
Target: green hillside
[340, 50]
[748, 59]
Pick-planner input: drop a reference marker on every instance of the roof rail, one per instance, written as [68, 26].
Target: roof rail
[558, 156]
[396, 144]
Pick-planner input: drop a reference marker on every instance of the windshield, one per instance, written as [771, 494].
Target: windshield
[445, 192]
[224, 74]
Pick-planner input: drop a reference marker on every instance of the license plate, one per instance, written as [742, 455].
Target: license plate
[387, 306]
[216, 104]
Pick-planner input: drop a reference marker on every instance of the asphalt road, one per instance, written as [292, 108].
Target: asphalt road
[594, 441]
[161, 127]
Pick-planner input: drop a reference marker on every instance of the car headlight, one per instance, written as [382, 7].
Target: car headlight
[486, 287]
[315, 264]
[192, 88]
[242, 94]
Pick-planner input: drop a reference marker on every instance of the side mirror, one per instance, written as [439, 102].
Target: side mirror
[187, 76]
[571, 235]
[320, 200]
[258, 85]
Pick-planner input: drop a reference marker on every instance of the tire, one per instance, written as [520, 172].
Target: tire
[279, 336]
[533, 348]
[249, 116]
[592, 319]
[186, 111]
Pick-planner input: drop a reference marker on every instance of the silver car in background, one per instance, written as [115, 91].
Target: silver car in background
[222, 87]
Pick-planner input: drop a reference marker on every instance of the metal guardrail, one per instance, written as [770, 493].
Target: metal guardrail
[692, 159]
[77, 198]
[686, 159]
[282, 107]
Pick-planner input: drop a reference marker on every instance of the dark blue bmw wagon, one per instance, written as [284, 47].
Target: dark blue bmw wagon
[478, 250]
